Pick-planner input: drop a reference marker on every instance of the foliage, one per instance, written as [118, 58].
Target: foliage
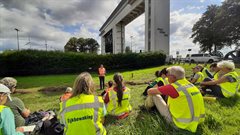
[127, 49]
[71, 45]
[230, 18]
[222, 115]
[219, 26]
[81, 45]
[33, 62]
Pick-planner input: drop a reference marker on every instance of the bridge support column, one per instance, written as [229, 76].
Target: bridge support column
[157, 21]
[118, 38]
[103, 44]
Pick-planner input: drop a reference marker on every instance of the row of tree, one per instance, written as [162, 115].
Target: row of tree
[218, 27]
[81, 45]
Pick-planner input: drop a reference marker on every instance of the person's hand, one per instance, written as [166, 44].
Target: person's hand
[20, 129]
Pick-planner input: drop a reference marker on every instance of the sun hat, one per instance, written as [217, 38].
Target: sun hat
[5, 89]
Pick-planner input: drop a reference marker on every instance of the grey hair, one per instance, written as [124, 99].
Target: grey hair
[226, 64]
[177, 71]
[10, 82]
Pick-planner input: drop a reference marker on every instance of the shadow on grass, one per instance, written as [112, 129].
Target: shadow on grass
[110, 120]
[229, 102]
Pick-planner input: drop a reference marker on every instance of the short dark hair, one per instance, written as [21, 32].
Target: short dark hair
[213, 65]
[163, 71]
[157, 73]
[110, 83]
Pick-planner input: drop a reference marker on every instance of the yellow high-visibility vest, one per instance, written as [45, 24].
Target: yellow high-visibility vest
[229, 89]
[187, 110]
[164, 80]
[201, 77]
[82, 115]
[113, 107]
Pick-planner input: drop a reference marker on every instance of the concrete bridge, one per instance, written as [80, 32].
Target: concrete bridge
[157, 16]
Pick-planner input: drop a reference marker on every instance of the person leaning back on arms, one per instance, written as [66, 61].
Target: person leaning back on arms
[17, 106]
[7, 124]
[83, 113]
[185, 107]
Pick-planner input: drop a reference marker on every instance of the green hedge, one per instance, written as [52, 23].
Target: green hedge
[33, 62]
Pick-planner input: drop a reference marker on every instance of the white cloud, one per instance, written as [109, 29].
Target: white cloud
[46, 20]
[181, 29]
[202, 1]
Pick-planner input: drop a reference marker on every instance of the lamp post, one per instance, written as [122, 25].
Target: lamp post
[17, 37]
[131, 42]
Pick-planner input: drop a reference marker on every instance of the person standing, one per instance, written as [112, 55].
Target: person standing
[101, 74]
[83, 113]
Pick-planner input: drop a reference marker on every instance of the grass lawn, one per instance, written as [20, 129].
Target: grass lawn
[222, 116]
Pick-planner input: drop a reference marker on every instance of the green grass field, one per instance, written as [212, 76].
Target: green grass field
[222, 116]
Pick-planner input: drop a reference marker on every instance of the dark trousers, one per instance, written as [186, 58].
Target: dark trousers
[214, 90]
[101, 79]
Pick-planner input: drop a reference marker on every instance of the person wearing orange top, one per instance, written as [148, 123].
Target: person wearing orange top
[110, 87]
[67, 94]
[101, 74]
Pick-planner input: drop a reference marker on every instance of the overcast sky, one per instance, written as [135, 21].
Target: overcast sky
[55, 21]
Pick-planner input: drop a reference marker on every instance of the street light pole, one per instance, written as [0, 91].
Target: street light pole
[131, 42]
[17, 37]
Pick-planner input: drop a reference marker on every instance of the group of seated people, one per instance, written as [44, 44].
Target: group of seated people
[184, 107]
[177, 99]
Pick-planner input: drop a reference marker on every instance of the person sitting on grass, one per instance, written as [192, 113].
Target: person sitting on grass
[110, 87]
[67, 94]
[160, 80]
[225, 86]
[7, 124]
[197, 76]
[205, 71]
[17, 106]
[83, 113]
[185, 107]
[117, 100]
[216, 71]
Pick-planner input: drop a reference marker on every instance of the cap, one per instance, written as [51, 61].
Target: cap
[69, 89]
[5, 89]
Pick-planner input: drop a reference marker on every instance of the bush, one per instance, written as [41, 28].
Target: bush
[33, 62]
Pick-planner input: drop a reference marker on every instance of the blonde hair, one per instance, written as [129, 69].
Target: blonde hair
[177, 71]
[10, 82]
[83, 84]
[226, 64]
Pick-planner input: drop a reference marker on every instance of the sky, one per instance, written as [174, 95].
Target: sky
[54, 22]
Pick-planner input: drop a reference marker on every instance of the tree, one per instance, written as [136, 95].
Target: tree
[127, 49]
[229, 17]
[71, 45]
[207, 32]
[82, 45]
[91, 45]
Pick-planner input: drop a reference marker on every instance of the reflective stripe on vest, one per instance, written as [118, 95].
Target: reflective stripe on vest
[230, 88]
[96, 104]
[190, 103]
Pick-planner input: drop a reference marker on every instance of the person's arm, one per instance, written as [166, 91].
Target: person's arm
[106, 99]
[195, 78]
[9, 124]
[21, 107]
[215, 82]
[153, 91]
